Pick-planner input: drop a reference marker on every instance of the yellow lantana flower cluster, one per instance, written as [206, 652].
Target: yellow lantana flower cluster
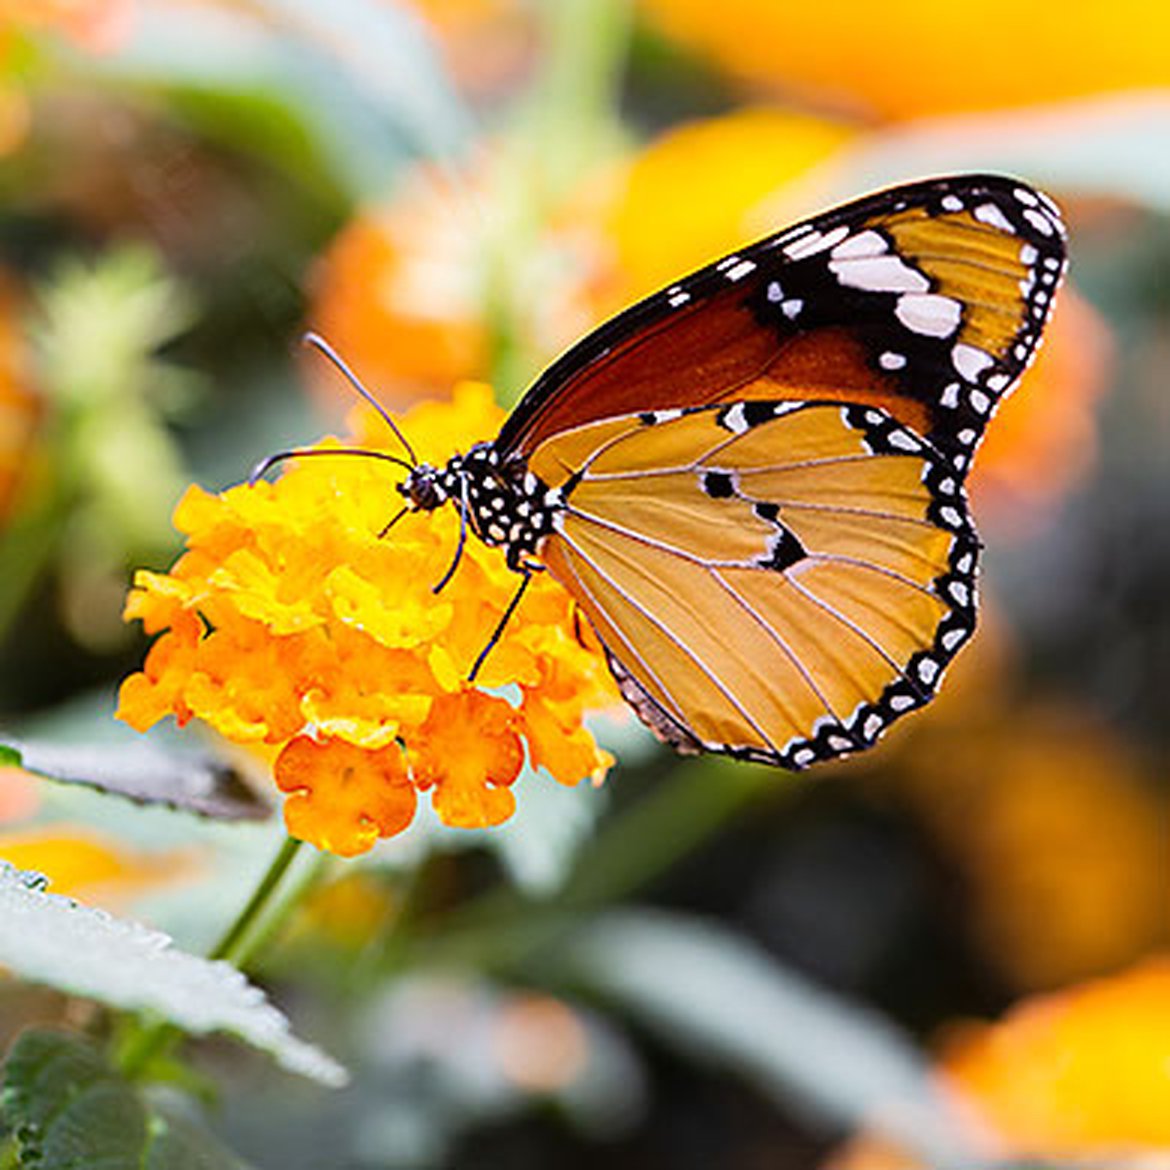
[292, 621]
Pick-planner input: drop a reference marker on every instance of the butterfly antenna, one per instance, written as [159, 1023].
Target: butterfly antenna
[317, 342]
[463, 507]
[266, 465]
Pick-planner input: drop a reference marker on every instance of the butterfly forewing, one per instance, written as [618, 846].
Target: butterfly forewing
[927, 301]
[773, 580]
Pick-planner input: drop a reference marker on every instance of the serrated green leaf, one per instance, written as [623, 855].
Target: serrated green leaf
[48, 939]
[71, 1111]
[141, 772]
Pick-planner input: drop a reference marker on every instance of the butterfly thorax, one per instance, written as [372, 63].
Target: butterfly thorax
[506, 505]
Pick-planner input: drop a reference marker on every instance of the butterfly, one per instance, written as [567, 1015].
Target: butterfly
[752, 481]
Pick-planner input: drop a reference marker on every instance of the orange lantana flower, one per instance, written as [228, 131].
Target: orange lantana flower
[1080, 1075]
[291, 622]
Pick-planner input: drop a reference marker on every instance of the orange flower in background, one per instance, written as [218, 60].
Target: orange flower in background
[484, 42]
[1057, 829]
[20, 405]
[1044, 438]
[1080, 1074]
[290, 622]
[1079, 1071]
[400, 291]
[910, 58]
[96, 25]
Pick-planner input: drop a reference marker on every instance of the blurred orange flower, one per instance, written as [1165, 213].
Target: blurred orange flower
[20, 405]
[1080, 1074]
[484, 42]
[291, 622]
[94, 24]
[1044, 438]
[400, 292]
[1080, 1071]
[910, 58]
[1057, 829]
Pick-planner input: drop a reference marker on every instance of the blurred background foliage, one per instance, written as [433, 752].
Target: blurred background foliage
[953, 948]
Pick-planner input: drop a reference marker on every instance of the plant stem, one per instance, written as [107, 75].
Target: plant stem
[234, 945]
[238, 945]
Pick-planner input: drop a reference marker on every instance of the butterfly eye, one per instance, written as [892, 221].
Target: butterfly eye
[421, 487]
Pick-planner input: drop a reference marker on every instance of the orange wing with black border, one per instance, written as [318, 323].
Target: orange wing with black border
[926, 300]
[776, 581]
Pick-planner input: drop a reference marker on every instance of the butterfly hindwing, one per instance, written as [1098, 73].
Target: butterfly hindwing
[773, 580]
[927, 301]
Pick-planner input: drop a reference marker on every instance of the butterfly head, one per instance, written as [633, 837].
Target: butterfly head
[425, 487]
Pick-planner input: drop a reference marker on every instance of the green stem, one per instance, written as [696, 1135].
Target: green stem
[568, 123]
[238, 945]
[235, 945]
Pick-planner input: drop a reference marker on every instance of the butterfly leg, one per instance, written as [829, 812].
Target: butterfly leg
[528, 569]
[464, 507]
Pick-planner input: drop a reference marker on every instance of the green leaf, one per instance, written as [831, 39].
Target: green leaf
[71, 1111]
[725, 1001]
[10, 756]
[145, 774]
[48, 939]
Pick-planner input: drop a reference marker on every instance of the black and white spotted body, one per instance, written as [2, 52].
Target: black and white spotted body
[507, 506]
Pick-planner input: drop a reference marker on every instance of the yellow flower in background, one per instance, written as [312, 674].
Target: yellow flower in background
[83, 863]
[705, 187]
[291, 622]
[911, 58]
[1081, 1074]
[1082, 1070]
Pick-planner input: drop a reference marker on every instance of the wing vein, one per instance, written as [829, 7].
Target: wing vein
[665, 630]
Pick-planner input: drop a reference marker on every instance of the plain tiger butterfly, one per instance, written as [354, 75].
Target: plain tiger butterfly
[751, 482]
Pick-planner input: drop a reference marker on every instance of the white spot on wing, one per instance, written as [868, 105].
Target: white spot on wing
[930, 314]
[970, 361]
[879, 274]
[868, 243]
[1039, 221]
[892, 361]
[740, 270]
[989, 214]
[814, 242]
[792, 308]
[734, 419]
